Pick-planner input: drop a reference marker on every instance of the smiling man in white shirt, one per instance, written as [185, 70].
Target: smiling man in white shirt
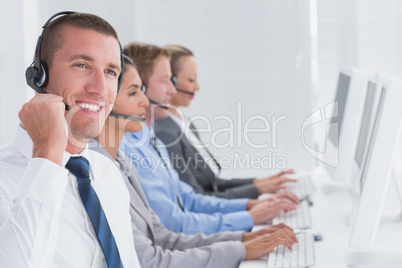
[44, 220]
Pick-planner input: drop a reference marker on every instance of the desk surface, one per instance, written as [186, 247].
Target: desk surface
[332, 217]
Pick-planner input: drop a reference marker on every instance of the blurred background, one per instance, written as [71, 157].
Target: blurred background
[264, 65]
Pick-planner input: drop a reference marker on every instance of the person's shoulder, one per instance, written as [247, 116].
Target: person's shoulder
[100, 159]
[102, 165]
[133, 140]
[164, 124]
[10, 156]
[12, 166]
[167, 130]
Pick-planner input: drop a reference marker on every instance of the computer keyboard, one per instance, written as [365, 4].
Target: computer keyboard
[303, 187]
[299, 218]
[300, 255]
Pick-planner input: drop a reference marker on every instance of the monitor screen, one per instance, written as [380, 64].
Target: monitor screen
[370, 149]
[365, 123]
[339, 110]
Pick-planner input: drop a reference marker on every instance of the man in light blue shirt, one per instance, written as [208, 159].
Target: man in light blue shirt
[179, 208]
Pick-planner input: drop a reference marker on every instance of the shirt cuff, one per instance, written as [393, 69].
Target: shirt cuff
[238, 204]
[241, 220]
[44, 181]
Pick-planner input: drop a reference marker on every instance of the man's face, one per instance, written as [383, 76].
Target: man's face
[160, 88]
[85, 72]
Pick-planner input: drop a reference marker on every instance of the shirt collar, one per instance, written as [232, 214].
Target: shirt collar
[141, 137]
[84, 153]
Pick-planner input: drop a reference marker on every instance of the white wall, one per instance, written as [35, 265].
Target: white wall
[260, 53]
[365, 34]
[12, 81]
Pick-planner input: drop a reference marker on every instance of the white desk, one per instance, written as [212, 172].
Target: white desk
[329, 217]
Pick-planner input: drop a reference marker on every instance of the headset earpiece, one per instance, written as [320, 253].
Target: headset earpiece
[32, 74]
[120, 79]
[37, 78]
[37, 74]
[174, 80]
[143, 89]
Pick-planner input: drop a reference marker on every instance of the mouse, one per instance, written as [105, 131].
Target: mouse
[307, 199]
[317, 235]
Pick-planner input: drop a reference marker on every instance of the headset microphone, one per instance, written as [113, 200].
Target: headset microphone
[175, 82]
[185, 91]
[158, 104]
[133, 118]
[144, 89]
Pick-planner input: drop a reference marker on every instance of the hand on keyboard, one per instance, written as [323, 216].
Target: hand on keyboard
[273, 183]
[289, 195]
[303, 187]
[265, 243]
[300, 255]
[298, 218]
[283, 194]
[267, 230]
[267, 209]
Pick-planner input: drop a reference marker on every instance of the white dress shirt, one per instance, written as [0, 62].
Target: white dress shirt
[43, 222]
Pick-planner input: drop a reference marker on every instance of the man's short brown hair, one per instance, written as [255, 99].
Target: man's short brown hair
[53, 36]
[145, 56]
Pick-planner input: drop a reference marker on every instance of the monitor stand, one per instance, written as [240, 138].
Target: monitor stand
[351, 190]
[333, 187]
[392, 219]
[374, 259]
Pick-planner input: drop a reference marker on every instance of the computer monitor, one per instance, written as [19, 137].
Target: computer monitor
[373, 92]
[375, 177]
[344, 126]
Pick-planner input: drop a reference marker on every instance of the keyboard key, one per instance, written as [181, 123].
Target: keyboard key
[299, 218]
[303, 187]
[300, 255]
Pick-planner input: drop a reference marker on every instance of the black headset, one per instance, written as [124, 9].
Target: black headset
[37, 74]
[176, 82]
[173, 79]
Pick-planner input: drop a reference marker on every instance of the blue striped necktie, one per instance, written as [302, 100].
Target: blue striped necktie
[79, 166]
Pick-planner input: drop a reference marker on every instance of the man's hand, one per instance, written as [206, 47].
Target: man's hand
[267, 209]
[267, 230]
[265, 243]
[285, 194]
[43, 118]
[288, 195]
[252, 202]
[273, 183]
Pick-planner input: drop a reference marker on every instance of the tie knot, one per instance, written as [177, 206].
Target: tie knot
[79, 166]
